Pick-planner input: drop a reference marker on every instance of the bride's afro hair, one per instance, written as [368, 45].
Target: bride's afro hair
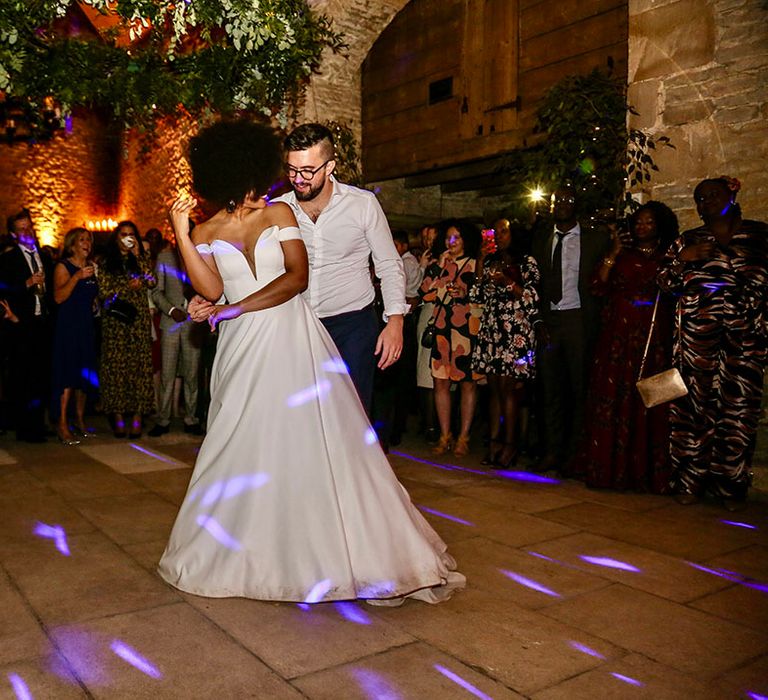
[234, 158]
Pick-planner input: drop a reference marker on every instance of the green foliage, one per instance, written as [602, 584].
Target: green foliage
[586, 143]
[201, 55]
[347, 155]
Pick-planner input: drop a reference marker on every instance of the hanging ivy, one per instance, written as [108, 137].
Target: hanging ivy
[146, 59]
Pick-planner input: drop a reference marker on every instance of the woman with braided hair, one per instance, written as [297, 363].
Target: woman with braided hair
[720, 271]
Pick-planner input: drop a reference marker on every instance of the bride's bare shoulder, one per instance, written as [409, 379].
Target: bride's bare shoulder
[204, 233]
[280, 214]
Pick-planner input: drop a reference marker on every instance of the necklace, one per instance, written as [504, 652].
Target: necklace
[647, 250]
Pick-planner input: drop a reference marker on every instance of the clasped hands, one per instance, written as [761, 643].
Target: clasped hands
[200, 310]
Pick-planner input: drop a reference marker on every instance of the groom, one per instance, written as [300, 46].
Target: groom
[342, 227]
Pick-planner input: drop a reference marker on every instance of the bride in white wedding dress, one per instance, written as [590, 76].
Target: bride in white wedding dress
[291, 497]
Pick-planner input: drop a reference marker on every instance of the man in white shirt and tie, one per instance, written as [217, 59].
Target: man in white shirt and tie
[342, 227]
[24, 283]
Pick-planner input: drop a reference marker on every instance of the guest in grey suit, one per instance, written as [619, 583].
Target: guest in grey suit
[179, 342]
[567, 255]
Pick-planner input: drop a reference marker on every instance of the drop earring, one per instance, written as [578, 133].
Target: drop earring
[231, 206]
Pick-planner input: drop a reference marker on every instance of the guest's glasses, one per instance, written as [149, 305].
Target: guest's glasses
[306, 173]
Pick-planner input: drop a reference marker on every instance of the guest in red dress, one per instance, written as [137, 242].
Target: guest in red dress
[627, 445]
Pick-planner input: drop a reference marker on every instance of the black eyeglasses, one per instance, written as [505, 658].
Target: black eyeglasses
[306, 173]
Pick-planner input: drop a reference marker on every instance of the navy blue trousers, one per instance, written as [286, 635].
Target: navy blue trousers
[355, 334]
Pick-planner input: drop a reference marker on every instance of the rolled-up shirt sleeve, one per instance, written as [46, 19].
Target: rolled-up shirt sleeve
[387, 262]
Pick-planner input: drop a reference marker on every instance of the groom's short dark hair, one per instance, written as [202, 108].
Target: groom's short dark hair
[307, 135]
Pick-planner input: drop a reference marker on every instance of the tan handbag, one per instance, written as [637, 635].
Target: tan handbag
[664, 386]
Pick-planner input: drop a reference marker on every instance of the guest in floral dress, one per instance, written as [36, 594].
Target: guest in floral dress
[505, 348]
[456, 323]
[126, 348]
[626, 444]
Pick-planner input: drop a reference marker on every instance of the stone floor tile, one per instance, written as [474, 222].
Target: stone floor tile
[492, 521]
[171, 485]
[519, 497]
[413, 672]
[96, 483]
[187, 657]
[750, 678]
[141, 517]
[14, 479]
[294, 641]
[635, 677]
[6, 458]
[37, 679]
[147, 554]
[661, 574]
[750, 562]
[421, 492]
[484, 562]
[520, 648]
[624, 500]
[435, 472]
[21, 637]
[739, 603]
[21, 511]
[131, 457]
[688, 640]
[96, 579]
[666, 533]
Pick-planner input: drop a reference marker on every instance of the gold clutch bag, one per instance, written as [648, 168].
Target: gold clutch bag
[662, 387]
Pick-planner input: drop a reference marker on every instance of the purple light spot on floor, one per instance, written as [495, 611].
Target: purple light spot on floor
[525, 476]
[375, 685]
[214, 528]
[585, 649]
[303, 606]
[609, 563]
[152, 454]
[134, 658]
[55, 533]
[19, 687]
[440, 514]
[350, 611]
[318, 591]
[370, 437]
[756, 696]
[627, 679]
[542, 556]
[316, 391]
[757, 586]
[736, 523]
[439, 465]
[229, 488]
[458, 680]
[529, 583]
[722, 573]
[336, 366]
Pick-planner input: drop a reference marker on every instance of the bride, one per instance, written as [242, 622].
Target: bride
[291, 497]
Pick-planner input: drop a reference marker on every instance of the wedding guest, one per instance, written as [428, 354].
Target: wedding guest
[126, 354]
[25, 276]
[506, 342]
[456, 325]
[74, 340]
[720, 270]
[627, 445]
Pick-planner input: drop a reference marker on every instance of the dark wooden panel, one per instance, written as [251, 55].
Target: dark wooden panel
[391, 127]
[414, 93]
[592, 33]
[538, 20]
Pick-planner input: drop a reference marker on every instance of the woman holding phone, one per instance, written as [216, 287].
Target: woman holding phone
[505, 349]
[74, 344]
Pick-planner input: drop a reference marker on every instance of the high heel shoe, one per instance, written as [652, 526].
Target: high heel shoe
[462, 446]
[83, 432]
[70, 441]
[511, 461]
[443, 445]
[492, 455]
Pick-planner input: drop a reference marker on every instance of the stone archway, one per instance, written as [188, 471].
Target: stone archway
[335, 92]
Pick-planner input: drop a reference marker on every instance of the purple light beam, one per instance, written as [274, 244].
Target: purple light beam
[214, 528]
[529, 583]
[55, 533]
[439, 514]
[19, 687]
[609, 563]
[458, 680]
[133, 657]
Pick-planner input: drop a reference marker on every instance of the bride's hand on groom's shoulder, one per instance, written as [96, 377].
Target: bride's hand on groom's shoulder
[178, 213]
[200, 309]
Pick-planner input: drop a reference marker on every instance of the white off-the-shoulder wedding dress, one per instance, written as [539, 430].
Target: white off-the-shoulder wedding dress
[291, 497]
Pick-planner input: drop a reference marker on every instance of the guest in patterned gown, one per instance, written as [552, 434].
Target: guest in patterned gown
[721, 271]
[505, 349]
[456, 323]
[126, 348]
[627, 445]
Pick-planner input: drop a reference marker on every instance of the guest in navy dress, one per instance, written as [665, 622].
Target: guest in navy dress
[74, 344]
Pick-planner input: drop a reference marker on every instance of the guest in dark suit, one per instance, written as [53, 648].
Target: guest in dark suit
[25, 280]
[567, 255]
